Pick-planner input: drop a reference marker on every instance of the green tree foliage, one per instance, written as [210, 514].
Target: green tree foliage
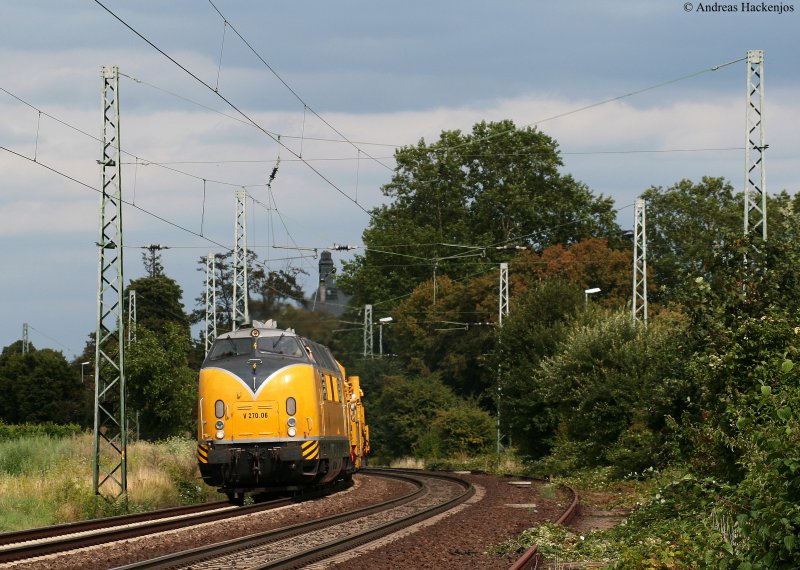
[591, 384]
[450, 327]
[38, 386]
[158, 302]
[269, 291]
[533, 330]
[161, 386]
[685, 222]
[274, 289]
[498, 184]
[420, 416]
[747, 434]
[404, 412]
[451, 336]
[464, 429]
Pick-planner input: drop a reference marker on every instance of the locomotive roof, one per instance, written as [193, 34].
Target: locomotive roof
[268, 328]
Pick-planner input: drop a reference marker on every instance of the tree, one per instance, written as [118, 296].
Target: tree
[38, 386]
[401, 416]
[450, 327]
[463, 196]
[152, 260]
[685, 222]
[746, 435]
[587, 263]
[161, 386]
[450, 336]
[533, 331]
[608, 379]
[158, 302]
[273, 287]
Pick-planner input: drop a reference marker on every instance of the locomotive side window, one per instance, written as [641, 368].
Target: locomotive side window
[228, 347]
[324, 385]
[321, 355]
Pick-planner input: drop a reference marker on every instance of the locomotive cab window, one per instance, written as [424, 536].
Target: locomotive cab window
[284, 345]
[229, 347]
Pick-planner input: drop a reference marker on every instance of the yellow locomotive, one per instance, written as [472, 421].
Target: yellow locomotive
[276, 411]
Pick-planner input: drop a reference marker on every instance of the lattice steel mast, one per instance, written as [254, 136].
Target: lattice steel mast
[241, 313]
[25, 341]
[755, 187]
[110, 430]
[211, 301]
[131, 316]
[503, 312]
[503, 296]
[639, 305]
[368, 331]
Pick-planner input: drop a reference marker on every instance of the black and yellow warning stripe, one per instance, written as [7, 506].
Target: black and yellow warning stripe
[202, 453]
[310, 449]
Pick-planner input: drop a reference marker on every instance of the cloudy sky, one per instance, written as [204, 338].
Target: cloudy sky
[378, 74]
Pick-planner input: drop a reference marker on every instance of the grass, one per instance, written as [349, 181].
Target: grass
[45, 480]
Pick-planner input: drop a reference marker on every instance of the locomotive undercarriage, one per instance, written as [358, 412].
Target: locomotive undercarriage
[263, 467]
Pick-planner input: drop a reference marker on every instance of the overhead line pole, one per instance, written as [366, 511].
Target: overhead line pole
[110, 427]
[241, 313]
[368, 353]
[503, 312]
[755, 186]
[211, 301]
[639, 304]
[131, 316]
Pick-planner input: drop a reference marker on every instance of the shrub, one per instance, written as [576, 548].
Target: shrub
[463, 429]
[48, 429]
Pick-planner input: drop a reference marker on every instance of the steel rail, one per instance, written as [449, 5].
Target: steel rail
[39, 533]
[339, 546]
[530, 557]
[116, 530]
[209, 552]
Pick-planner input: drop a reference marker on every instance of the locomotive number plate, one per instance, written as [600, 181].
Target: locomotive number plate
[255, 415]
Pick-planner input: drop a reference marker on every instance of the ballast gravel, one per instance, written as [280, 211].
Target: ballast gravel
[500, 510]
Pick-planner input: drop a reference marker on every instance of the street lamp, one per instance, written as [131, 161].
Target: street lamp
[587, 292]
[82, 365]
[381, 322]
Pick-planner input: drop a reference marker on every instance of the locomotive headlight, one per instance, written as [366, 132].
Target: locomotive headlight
[219, 408]
[291, 431]
[291, 422]
[220, 424]
[220, 434]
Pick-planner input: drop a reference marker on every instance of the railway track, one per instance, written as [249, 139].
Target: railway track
[530, 558]
[36, 542]
[292, 546]
[299, 545]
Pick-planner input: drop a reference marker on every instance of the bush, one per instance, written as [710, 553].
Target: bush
[634, 451]
[464, 429]
[47, 429]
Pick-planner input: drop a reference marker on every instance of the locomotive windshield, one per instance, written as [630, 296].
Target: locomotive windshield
[228, 347]
[286, 345]
[281, 344]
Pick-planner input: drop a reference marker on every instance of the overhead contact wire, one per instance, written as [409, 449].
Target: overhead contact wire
[232, 105]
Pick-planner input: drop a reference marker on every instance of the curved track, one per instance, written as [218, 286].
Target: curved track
[299, 545]
[59, 538]
[530, 557]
